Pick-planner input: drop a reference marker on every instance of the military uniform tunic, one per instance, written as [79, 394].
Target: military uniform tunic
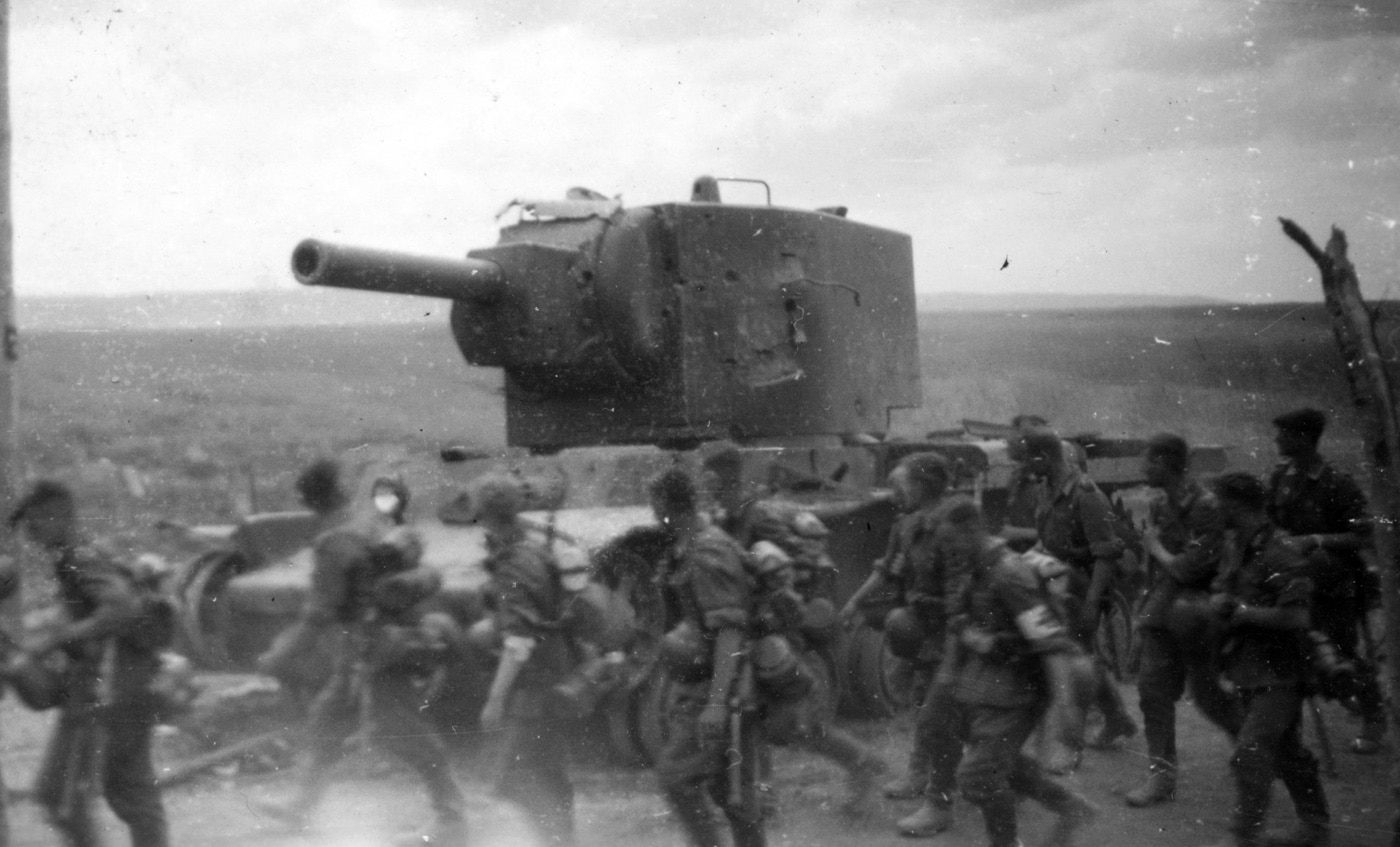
[1001, 695]
[528, 602]
[108, 696]
[1191, 529]
[1322, 500]
[1268, 666]
[704, 582]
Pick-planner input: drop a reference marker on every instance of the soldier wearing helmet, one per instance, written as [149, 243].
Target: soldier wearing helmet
[367, 587]
[707, 591]
[528, 602]
[112, 712]
[1010, 641]
[1076, 524]
[788, 546]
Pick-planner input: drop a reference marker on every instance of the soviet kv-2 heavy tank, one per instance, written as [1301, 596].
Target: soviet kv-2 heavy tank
[630, 337]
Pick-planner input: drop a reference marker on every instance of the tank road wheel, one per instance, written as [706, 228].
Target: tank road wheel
[873, 682]
[1115, 641]
[203, 625]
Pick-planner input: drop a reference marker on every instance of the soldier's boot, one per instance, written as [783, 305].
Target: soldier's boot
[693, 814]
[999, 816]
[931, 818]
[1117, 725]
[1310, 803]
[1160, 786]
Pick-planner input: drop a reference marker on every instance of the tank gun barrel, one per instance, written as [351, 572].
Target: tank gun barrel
[317, 262]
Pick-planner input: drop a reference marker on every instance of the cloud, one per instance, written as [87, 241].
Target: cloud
[1106, 142]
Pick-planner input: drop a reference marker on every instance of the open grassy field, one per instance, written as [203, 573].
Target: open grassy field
[205, 402]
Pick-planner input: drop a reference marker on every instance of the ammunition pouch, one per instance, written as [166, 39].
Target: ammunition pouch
[778, 674]
[685, 653]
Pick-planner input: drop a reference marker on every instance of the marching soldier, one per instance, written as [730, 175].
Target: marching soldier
[106, 704]
[1323, 513]
[529, 603]
[917, 632]
[1262, 597]
[796, 556]
[1185, 538]
[709, 596]
[365, 582]
[1006, 643]
[1075, 524]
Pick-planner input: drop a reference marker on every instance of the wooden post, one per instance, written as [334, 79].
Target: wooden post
[9, 334]
[1373, 395]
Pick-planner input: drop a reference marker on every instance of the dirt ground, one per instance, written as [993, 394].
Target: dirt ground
[620, 808]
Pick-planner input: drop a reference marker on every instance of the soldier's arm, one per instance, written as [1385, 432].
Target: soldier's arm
[1290, 609]
[519, 620]
[330, 578]
[1350, 506]
[1200, 558]
[1096, 514]
[117, 607]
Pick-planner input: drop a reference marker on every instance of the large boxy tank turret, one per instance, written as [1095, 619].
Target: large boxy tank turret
[673, 323]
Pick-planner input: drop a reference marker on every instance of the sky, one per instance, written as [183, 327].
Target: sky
[1096, 145]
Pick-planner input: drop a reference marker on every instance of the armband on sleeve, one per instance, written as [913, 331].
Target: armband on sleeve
[518, 647]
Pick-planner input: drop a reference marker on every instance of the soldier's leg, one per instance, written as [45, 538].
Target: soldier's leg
[535, 773]
[129, 778]
[744, 813]
[914, 782]
[1117, 723]
[1270, 715]
[63, 785]
[334, 716]
[684, 768]
[1161, 682]
[400, 727]
[1298, 769]
[941, 738]
[1220, 707]
[994, 739]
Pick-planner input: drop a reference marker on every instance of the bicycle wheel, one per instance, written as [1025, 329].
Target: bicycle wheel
[1113, 642]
